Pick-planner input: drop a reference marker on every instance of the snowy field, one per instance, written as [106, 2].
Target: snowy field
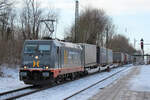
[141, 82]
[67, 89]
[10, 79]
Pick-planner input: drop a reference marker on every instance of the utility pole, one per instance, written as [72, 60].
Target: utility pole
[76, 19]
[107, 43]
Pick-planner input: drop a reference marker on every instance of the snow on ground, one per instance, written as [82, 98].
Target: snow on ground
[141, 82]
[10, 79]
[67, 89]
[97, 88]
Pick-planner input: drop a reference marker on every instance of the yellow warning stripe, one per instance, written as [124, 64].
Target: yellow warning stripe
[38, 63]
[33, 63]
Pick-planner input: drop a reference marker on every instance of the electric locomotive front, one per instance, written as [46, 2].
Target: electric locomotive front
[44, 61]
[36, 61]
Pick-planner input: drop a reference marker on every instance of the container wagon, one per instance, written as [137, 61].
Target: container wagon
[102, 59]
[89, 55]
[110, 57]
[118, 58]
[148, 59]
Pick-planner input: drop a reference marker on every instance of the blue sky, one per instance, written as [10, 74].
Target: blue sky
[133, 15]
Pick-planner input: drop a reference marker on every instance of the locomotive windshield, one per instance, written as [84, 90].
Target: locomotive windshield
[33, 48]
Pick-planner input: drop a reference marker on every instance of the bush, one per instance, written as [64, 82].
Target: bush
[1, 73]
[10, 51]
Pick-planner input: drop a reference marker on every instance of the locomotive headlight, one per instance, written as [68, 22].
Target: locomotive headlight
[46, 67]
[25, 67]
[36, 57]
[45, 74]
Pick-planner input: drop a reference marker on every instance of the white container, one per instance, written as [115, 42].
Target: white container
[89, 54]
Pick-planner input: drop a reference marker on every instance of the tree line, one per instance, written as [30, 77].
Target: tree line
[96, 27]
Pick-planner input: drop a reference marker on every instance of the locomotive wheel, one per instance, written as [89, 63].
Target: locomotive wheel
[73, 76]
[99, 69]
[85, 72]
[35, 76]
[108, 69]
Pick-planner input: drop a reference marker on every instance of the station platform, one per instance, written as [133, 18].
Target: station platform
[133, 86]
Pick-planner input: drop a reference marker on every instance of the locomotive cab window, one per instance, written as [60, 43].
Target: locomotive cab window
[36, 48]
[30, 48]
[44, 48]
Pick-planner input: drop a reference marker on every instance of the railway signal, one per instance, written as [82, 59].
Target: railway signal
[142, 44]
[142, 47]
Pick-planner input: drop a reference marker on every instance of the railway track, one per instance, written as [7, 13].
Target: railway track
[21, 92]
[80, 91]
[13, 94]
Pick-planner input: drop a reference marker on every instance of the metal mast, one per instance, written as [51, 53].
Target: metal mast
[76, 19]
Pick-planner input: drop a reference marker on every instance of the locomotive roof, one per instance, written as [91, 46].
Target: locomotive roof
[57, 43]
[67, 44]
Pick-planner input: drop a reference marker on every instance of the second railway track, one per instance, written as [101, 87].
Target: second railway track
[13, 94]
[80, 91]
[17, 93]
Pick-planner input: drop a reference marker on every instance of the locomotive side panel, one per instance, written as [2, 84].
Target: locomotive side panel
[71, 57]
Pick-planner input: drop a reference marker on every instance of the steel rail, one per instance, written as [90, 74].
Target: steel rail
[15, 90]
[76, 93]
[25, 94]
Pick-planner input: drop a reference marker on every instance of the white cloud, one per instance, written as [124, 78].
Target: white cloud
[112, 7]
[119, 6]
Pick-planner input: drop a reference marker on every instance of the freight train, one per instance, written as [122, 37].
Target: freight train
[45, 61]
[148, 60]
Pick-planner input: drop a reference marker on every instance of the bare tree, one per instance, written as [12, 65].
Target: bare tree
[5, 12]
[30, 19]
[4, 4]
[120, 43]
[91, 27]
[7, 17]
[49, 23]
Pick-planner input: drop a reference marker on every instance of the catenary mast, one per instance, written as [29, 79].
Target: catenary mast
[76, 19]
